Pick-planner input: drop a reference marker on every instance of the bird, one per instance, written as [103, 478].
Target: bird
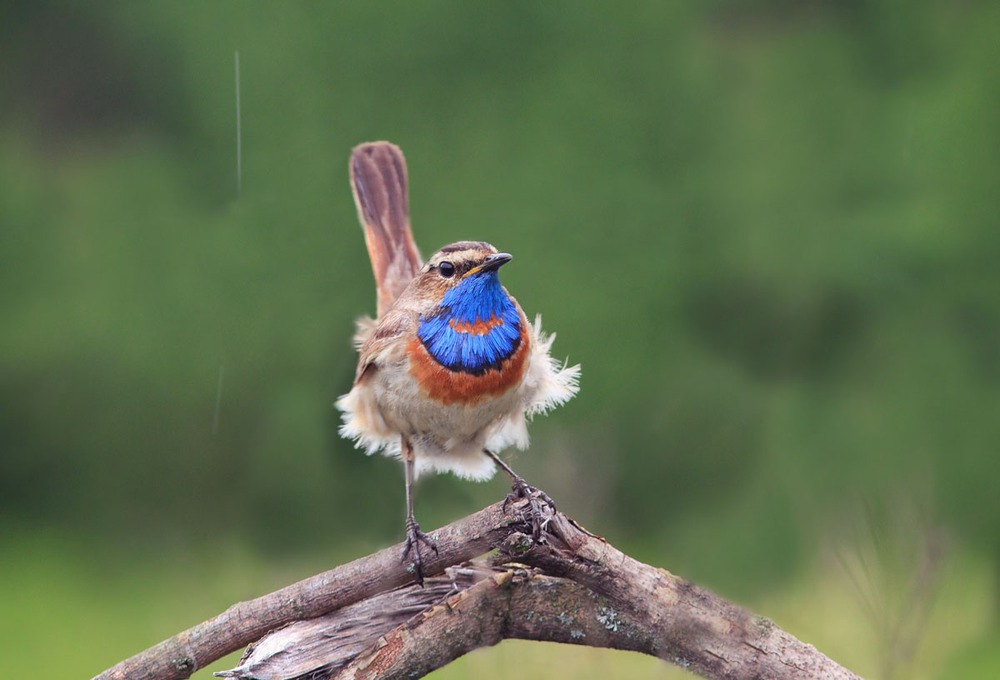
[451, 369]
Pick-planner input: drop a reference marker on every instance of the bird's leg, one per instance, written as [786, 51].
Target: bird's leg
[521, 489]
[414, 536]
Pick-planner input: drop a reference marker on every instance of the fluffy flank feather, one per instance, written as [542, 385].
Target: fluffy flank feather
[548, 382]
[363, 423]
[363, 327]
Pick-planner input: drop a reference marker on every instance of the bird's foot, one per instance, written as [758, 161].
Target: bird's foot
[540, 506]
[414, 537]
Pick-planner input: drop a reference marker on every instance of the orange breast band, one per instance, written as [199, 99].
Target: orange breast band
[477, 327]
[450, 387]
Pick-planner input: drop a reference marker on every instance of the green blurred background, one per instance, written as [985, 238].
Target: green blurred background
[767, 230]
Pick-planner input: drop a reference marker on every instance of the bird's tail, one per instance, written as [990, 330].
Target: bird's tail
[378, 179]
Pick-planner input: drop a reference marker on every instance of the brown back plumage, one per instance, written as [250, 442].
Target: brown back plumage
[378, 179]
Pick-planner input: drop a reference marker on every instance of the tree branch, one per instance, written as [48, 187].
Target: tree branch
[690, 625]
[514, 603]
[178, 657]
[360, 621]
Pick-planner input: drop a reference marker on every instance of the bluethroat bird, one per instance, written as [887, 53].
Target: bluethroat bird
[451, 369]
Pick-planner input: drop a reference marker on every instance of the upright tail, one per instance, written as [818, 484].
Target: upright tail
[378, 179]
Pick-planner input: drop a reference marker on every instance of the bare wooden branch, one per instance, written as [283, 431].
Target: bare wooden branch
[575, 588]
[178, 657]
[691, 626]
[317, 648]
[515, 603]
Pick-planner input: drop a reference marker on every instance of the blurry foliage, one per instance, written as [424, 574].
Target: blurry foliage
[767, 230]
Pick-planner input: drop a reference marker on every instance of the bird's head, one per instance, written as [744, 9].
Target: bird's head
[466, 270]
[455, 263]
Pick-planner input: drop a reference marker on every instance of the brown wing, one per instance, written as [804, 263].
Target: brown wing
[385, 343]
[378, 179]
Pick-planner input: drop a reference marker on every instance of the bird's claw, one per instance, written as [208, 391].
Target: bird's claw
[414, 537]
[537, 498]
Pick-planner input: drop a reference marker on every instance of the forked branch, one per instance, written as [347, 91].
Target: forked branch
[365, 619]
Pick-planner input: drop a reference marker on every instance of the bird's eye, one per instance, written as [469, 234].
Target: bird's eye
[446, 269]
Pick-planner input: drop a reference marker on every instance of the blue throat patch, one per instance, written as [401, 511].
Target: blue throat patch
[448, 335]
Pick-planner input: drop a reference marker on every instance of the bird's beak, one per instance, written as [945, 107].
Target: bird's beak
[492, 263]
